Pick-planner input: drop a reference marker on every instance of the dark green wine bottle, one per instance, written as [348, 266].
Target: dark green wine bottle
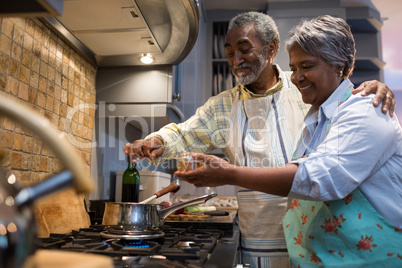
[131, 183]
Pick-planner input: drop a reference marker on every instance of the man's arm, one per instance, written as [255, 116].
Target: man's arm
[197, 134]
[382, 94]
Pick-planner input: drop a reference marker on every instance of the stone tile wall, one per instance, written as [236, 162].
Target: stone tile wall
[38, 69]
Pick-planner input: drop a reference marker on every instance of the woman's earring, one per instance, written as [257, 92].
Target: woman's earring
[340, 73]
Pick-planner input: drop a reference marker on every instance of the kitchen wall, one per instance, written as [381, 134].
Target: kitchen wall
[40, 70]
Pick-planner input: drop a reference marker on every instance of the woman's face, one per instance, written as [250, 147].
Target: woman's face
[315, 79]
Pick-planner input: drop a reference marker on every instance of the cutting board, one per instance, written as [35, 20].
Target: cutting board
[202, 221]
[61, 212]
[65, 259]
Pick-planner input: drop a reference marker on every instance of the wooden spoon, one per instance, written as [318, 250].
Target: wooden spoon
[171, 188]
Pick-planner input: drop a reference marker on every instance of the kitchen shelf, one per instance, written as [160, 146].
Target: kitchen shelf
[219, 36]
[365, 23]
[364, 19]
[222, 77]
[370, 64]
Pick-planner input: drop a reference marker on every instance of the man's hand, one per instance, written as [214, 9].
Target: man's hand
[382, 94]
[148, 148]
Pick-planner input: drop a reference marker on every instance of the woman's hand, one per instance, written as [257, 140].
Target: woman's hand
[215, 172]
[382, 94]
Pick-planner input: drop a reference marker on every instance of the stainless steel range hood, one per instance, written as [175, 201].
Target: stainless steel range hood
[117, 32]
[140, 95]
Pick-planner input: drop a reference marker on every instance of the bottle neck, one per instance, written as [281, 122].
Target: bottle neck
[131, 165]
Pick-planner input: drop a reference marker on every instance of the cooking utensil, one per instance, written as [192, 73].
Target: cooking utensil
[133, 220]
[171, 188]
[216, 213]
[17, 222]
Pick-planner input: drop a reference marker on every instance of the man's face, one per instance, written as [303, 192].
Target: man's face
[245, 53]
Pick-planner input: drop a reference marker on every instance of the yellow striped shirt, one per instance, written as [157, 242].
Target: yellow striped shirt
[205, 130]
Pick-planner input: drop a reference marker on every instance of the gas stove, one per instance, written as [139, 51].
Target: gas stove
[177, 247]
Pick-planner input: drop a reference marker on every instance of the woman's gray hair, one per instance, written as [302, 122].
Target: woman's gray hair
[327, 37]
[264, 25]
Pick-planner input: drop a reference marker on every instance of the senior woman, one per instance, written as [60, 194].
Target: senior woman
[345, 176]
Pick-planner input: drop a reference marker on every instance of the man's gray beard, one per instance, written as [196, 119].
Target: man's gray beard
[248, 79]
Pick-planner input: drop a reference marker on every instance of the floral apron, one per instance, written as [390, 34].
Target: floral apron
[341, 233]
[262, 134]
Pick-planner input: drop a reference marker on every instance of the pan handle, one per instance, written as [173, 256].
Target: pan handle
[167, 211]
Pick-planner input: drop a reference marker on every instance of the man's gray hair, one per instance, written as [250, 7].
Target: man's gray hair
[264, 25]
[327, 37]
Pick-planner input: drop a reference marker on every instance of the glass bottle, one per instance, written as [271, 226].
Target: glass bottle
[131, 183]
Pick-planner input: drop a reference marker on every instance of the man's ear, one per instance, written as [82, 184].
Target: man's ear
[271, 50]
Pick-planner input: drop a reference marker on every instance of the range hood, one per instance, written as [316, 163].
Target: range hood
[142, 95]
[117, 32]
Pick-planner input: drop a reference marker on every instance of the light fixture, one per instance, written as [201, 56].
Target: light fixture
[147, 58]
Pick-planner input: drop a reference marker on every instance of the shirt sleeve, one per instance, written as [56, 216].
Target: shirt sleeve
[359, 141]
[201, 133]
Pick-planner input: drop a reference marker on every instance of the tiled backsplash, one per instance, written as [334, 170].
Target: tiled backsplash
[39, 69]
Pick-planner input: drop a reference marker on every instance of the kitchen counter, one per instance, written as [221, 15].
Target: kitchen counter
[203, 221]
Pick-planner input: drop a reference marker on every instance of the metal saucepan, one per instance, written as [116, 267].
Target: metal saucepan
[132, 220]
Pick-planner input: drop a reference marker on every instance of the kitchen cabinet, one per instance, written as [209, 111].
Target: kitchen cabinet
[365, 24]
[141, 95]
[32, 8]
[190, 74]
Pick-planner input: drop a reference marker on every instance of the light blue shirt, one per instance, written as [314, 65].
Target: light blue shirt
[348, 146]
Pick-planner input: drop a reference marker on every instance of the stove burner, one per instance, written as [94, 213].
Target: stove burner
[132, 243]
[170, 248]
[186, 244]
[189, 246]
[140, 236]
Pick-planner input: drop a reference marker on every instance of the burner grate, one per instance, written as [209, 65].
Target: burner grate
[178, 246]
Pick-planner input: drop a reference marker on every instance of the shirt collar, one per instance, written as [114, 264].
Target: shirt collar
[329, 106]
[327, 109]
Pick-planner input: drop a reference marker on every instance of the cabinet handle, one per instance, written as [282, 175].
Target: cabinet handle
[177, 97]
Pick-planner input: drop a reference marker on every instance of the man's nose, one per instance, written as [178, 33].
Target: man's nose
[238, 58]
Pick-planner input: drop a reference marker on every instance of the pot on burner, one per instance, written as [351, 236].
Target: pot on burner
[141, 221]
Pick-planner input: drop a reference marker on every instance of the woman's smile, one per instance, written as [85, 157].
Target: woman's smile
[305, 88]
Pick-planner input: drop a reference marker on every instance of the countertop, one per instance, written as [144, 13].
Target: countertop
[203, 221]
